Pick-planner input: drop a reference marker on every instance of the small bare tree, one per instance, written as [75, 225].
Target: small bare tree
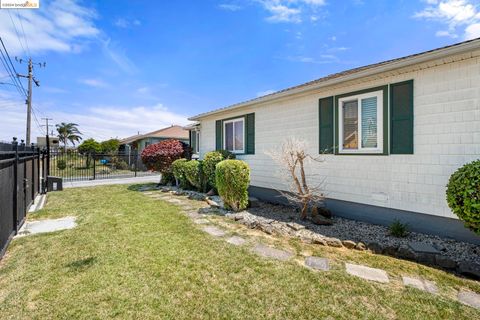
[292, 157]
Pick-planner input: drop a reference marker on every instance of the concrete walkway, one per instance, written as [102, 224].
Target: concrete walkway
[48, 225]
[93, 183]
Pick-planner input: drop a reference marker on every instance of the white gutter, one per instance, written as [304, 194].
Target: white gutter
[421, 58]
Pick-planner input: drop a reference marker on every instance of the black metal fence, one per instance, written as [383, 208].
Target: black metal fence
[20, 181]
[72, 165]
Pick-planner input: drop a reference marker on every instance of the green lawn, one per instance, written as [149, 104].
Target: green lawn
[133, 257]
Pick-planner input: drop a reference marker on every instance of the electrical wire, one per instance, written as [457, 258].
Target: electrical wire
[24, 35]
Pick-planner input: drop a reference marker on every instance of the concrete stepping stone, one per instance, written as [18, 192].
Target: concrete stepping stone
[49, 225]
[174, 201]
[214, 231]
[317, 263]
[201, 221]
[367, 273]
[469, 298]
[237, 241]
[195, 215]
[269, 252]
[420, 284]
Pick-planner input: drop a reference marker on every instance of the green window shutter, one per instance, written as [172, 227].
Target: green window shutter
[250, 133]
[218, 135]
[325, 112]
[190, 138]
[401, 117]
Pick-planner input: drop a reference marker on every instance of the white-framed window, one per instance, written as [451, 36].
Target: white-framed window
[361, 123]
[197, 141]
[234, 135]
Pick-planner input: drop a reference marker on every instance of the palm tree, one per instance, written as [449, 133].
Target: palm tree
[68, 132]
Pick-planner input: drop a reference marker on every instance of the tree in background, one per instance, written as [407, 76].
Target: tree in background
[68, 132]
[160, 156]
[88, 148]
[110, 146]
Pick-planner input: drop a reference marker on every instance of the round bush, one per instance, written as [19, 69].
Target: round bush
[463, 195]
[193, 173]
[178, 169]
[210, 161]
[61, 164]
[160, 156]
[232, 178]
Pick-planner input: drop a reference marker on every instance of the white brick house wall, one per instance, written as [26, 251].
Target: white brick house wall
[446, 136]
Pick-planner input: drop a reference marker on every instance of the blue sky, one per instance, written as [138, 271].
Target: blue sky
[118, 67]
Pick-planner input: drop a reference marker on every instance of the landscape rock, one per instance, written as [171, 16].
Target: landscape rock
[322, 221]
[360, 246]
[253, 202]
[317, 239]
[405, 252]
[295, 226]
[211, 192]
[390, 250]
[334, 242]
[375, 247]
[469, 269]
[445, 262]
[349, 244]
[323, 211]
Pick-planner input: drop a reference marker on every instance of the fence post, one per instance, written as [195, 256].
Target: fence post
[136, 162]
[32, 184]
[94, 169]
[15, 185]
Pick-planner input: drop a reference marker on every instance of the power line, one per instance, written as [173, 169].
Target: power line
[24, 35]
[10, 68]
[16, 31]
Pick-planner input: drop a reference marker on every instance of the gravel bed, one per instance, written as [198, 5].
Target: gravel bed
[345, 229]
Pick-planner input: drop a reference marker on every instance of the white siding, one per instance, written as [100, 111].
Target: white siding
[446, 136]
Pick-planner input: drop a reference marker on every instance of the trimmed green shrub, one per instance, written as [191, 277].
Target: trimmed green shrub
[178, 168]
[210, 161]
[121, 165]
[463, 195]
[232, 178]
[193, 173]
[61, 164]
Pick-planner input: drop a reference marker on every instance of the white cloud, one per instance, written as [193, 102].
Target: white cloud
[460, 16]
[96, 83]
[290, 11]
[472, 31]
[62, 26]
[126, 23]
[264, 93]
[322, 59]
[229, 7]
[99, 122]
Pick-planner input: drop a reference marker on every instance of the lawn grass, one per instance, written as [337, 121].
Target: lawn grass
[133, 257]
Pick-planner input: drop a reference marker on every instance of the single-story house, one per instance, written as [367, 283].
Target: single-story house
[391, 134]
[140, 141]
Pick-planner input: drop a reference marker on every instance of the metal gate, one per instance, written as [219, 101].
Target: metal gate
[72, 165]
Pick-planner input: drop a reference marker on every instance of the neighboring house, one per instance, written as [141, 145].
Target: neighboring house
[392, 134]
[140, 141]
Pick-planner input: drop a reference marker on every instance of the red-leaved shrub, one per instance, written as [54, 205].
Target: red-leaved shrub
[160, 156]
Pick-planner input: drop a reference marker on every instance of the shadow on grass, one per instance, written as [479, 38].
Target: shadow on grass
[140, 187]
[82, 264]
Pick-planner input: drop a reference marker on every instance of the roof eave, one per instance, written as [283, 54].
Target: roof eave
[428, 56]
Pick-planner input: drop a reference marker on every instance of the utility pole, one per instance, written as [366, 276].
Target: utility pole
[30, 78]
